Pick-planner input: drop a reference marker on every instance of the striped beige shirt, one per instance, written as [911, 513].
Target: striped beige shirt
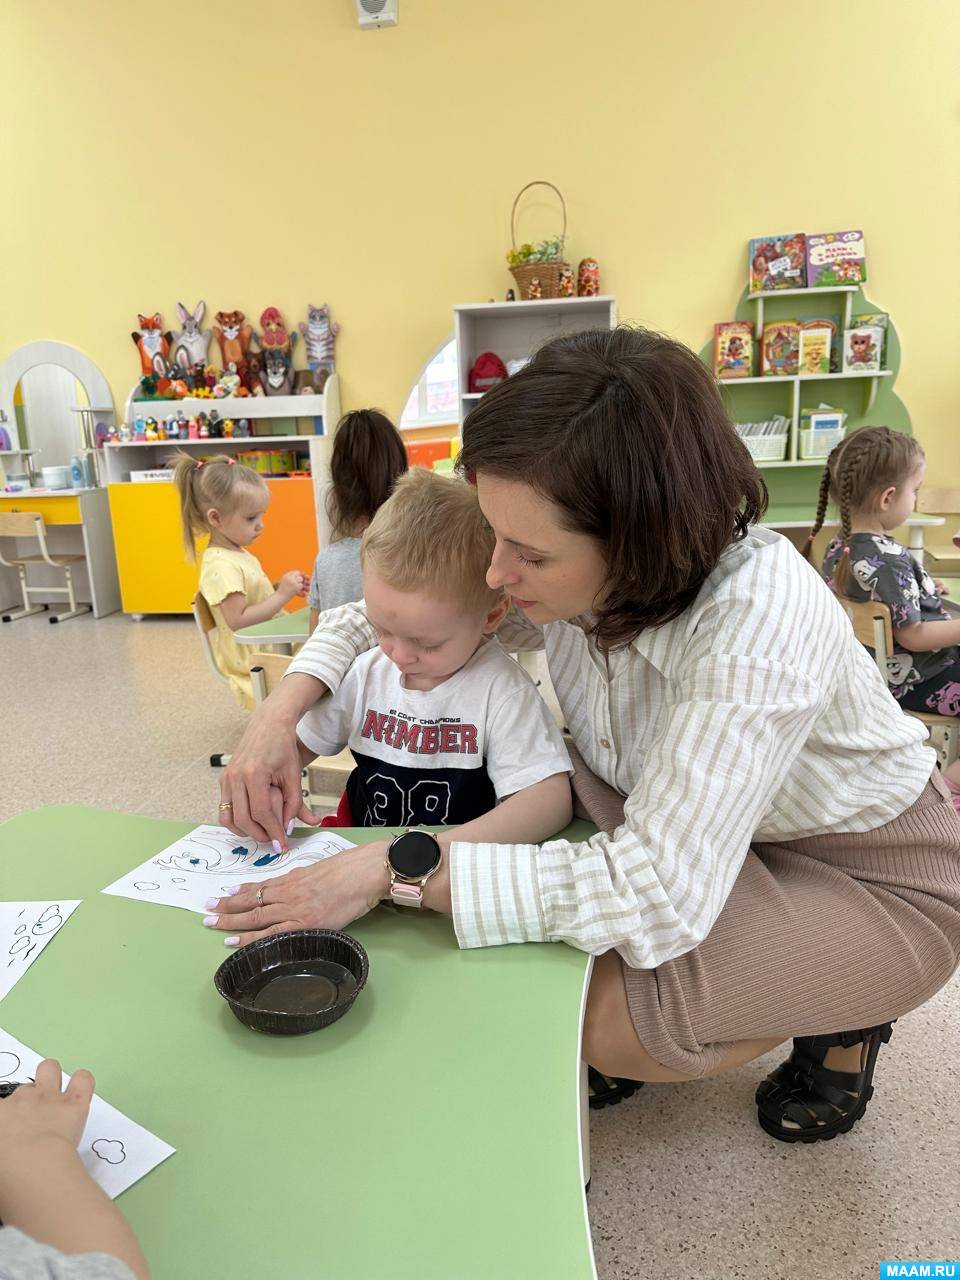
[754, 716]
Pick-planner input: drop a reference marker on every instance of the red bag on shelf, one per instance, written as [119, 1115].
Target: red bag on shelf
[488, 370]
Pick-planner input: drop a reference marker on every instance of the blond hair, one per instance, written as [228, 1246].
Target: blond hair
[430, 535]
[202, 483]
[857, 472]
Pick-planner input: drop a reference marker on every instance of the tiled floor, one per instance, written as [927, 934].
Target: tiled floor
[124, 715]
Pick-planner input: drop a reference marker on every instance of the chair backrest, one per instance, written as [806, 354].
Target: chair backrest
[266, 672]
[938, 501]
[206, 623]
[872, 627]
[21, 524]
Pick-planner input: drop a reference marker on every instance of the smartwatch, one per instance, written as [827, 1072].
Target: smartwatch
[412, 858]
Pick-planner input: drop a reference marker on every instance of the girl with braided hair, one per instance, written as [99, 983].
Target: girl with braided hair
[873, 477]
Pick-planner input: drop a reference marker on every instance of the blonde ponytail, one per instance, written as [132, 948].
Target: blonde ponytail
[203, 483]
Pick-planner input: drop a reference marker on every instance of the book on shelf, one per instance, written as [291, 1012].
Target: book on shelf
[733, 349]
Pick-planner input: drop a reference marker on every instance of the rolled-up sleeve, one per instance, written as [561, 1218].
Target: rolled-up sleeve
[341, 636]
[652, 890]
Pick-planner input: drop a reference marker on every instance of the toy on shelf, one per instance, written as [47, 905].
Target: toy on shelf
[275, 335]
[823, 322]
[566, 285]
[319, 335]
[191, 344]
[733, 349]
[228, 384]
[814, 354]
[534, 289]
[153, 345]
[233, 336]
[780, 348]
[836, 258]
[277, 373]
[777, 262]
[588, 278]
[203, 425]
[861, 349]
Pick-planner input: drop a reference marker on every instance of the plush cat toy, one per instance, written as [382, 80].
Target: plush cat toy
[319, 335]
[233, 337]
[153, 345]
[277, 373]
[275, 336]
[191, 345]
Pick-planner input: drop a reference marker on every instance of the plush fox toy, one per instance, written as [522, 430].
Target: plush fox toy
[153, 344]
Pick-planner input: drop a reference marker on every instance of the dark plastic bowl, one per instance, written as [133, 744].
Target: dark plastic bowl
[294, 982]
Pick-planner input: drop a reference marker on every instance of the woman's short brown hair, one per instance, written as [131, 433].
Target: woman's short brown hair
[624, 431]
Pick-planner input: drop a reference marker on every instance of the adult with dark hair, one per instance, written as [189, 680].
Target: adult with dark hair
[776, 857]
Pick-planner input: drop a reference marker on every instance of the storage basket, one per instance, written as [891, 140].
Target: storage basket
[818, 444]
[769, 446]
[548, 273]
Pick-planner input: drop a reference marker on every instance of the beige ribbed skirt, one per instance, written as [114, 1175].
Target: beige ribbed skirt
[829, 933]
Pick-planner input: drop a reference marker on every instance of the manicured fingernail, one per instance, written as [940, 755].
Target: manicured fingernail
[290, 826]
[210, 921]
[211, 903]
[276, 847]
[234, 888]
[231, 942]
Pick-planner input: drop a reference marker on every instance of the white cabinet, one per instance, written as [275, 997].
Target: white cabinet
[514, 331]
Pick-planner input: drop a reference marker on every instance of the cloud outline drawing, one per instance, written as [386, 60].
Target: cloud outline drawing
[104, 1148]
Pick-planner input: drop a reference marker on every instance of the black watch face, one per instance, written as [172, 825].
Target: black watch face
[413, 854]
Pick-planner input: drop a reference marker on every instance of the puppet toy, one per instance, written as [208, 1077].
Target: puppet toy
[233, 336]
[190, 343]
[278, 374]
[275, 335]
[153, 344]
[319, 334]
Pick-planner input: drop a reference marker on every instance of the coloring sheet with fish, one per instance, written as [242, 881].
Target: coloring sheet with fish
[25, 929]
[115, 1151]
[209, 861]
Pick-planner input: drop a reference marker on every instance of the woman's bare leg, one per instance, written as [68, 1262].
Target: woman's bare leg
[610, 1041]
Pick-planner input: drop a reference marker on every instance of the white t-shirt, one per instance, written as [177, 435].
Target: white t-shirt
[440, 757]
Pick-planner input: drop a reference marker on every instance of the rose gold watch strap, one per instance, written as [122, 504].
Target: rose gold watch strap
[407, 893]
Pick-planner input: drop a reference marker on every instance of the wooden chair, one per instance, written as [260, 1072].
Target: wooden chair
[873, 628]
[206, 623]
[326, 776]
[30, 524]
[940, 556]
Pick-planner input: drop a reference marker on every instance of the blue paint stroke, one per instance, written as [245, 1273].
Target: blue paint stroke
[266, 859]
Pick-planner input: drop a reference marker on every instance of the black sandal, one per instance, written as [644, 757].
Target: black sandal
[819, 1103]
[607, 1091]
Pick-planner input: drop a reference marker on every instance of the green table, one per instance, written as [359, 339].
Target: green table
[433, 1133]
[289, 629]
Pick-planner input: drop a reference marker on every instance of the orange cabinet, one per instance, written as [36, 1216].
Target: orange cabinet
[155, 574]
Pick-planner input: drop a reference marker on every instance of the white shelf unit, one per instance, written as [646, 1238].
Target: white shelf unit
[793, 458]
[122, 457]
[514, 331]
[848, 290]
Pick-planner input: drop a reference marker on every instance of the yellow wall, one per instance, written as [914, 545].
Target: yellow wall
[252, 154]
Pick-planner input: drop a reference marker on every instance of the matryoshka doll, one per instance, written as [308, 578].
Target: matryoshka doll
[588, 278]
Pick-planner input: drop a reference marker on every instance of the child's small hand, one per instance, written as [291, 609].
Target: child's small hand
[941, 586]
[41, 1110]
[292, 584]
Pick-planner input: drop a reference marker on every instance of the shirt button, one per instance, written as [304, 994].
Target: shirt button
[605, 742]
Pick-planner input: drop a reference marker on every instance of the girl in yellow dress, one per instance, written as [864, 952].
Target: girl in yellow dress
[220, 497]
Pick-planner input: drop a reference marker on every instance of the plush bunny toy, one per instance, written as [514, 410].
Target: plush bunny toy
[191, 344]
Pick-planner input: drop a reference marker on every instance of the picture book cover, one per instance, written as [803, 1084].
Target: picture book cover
[878, 320]
[781, 348]
[836, 258]
[814, 350]
[824, 322]
[733, 349]
[777, 262]
[861, 349]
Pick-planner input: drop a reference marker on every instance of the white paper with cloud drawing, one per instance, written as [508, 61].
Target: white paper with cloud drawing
[116, 1151]
[25, 929]
[209, 860]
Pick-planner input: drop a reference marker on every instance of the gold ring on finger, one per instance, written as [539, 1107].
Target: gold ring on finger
[260, 901]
